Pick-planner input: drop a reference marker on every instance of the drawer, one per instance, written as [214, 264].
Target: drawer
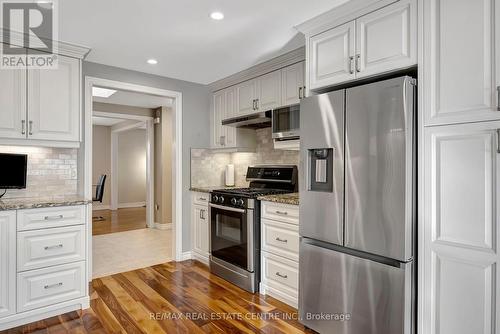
[201, 198]
[280, 239]
[34, 219]
[280, 273]
[281, 212]
[44, 287]
[49, 247]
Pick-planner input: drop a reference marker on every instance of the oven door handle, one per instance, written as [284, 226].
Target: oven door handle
[228, 208]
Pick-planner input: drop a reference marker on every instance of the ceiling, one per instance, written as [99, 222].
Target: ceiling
[133, 99]
[187, 43]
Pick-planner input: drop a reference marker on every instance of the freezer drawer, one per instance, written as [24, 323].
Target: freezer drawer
[372, 297]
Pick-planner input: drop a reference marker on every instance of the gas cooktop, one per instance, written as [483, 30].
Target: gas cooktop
[250, 192]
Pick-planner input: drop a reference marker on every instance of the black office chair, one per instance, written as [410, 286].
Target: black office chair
[99, 194]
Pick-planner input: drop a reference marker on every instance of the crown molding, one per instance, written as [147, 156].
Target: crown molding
[271, 65]
[341, 14]
[61, 48]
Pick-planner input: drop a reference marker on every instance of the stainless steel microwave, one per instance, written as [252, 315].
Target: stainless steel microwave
[286, 122]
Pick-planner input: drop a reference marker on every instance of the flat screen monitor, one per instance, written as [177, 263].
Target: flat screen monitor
[13, 171]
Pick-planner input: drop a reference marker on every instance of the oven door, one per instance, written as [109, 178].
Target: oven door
[231, 235]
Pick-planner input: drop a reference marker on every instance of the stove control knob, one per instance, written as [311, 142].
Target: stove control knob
[240, 202]
[233, 201]
[215, 198]
[221, 199]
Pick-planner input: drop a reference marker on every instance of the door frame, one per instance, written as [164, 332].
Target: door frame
[177, 172]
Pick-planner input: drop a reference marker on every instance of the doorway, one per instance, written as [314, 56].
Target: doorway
[128, 122]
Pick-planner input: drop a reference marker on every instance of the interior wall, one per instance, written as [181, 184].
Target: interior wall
[121, 109]
[163, 166]
[131, 167]
[101, 160]
[195, 120]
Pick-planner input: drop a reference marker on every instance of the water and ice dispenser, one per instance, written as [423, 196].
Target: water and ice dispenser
[321, 169]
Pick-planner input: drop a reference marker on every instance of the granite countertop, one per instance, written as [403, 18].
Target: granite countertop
[208, 189]
[41, 202]
[292, 198]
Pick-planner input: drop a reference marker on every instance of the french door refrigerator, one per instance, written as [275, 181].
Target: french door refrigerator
[357, 203]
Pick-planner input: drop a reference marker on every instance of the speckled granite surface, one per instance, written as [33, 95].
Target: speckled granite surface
[292, 198]
[41, 202]
[208, 189]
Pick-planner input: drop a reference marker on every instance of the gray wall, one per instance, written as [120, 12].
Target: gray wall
[195, 121]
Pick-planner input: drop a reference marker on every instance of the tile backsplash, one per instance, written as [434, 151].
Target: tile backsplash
[51, 171]
[207, 168]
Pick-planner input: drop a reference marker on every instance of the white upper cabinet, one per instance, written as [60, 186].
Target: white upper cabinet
[460, 243]
[7, 263]
[13, 104]
[54, 102]
[292, 84]
[246, 95]
[331, 56]
[387, 39]
[219, 105]
[460, 60]
[229, 112]
[268, 91]
[382, 40]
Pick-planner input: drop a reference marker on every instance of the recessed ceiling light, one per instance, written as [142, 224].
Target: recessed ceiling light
[102, 92]
[217, 16]
[152, 61]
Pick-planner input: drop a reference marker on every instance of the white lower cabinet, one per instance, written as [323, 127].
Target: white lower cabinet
[50, 277]
[201, 227]
[49, 286]
[7, 263]
[280, 252]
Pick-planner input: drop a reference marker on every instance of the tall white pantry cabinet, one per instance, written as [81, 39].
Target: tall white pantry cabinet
[459, 167]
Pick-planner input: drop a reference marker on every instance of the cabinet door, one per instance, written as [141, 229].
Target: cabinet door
[230, 111]
[460, 233]
[269, 91]
[219, 104]
[292, 84]
[13, 102]
[201, 231]
[331, 55]
[386, 39]
[245, 95]
[7, 263]
[54, 102]
[460, 61]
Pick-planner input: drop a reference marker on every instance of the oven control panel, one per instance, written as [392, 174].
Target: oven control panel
[228, 200]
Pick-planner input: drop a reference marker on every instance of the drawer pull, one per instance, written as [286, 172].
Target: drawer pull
[53, 247]
[281, 275]
[281, 212]
[281, 240]
[51, 286]
[202, 199]
[53, 217]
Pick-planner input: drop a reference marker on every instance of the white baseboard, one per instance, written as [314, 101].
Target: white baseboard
[186, 256]
[200, 257]
[100, 207]
[159, 226]
[131, 205]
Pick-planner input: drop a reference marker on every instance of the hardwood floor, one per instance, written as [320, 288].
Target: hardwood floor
[175, 297]
[118, 220]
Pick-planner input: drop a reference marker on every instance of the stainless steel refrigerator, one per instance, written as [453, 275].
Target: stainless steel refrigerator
[357, 209]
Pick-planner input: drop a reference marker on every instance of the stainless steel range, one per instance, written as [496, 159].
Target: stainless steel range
[235, 224]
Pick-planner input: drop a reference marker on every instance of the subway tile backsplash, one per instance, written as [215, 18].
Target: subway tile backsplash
[207, 168]
[51, 171]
